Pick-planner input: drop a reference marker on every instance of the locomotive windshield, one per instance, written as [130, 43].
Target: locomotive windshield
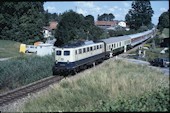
[58, 52]
[66, 53]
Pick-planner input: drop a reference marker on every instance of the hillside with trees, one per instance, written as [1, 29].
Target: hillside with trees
[21, 21]
[24, 21]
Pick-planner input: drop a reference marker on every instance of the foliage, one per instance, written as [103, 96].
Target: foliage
[106, 17]
[89, 18]
[163, 21]
[165, 33]
[142, 28]
[151, 101]
[23, 70]
[140, 14]
[51, 17]
[21, 21]
[74, 26]
[151, 54]
[115, 86]
[114, 33]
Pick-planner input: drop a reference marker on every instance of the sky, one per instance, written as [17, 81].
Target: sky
[118, 8]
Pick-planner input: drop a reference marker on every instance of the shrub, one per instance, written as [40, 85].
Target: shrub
[24, 70]
[142, 29]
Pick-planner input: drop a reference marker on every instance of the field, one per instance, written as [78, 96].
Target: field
[109, 87]
[23, 70]
[9, 48]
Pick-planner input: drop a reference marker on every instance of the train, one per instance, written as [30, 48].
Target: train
[71, 58]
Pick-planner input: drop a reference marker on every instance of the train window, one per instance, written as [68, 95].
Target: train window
[66, 53]
[114, 45]
[84, 50]
[80, 51]
[100, 46]
[119, 43]
[76, 52]
[94, 47]
[91, 48]
[97, 46]
[87, 49]
[58, 52]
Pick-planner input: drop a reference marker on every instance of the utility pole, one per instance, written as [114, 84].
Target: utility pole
[76, 9]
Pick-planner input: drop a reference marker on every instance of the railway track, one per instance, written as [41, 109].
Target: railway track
[18, 93]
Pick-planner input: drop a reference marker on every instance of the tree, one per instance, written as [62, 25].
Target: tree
[22, 21]
[140, 14]
[74, 26]
[163, 20]
[90, 18]
[106, 17]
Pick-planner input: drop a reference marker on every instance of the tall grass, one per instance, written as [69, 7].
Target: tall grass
[23, 70]
[112, 86]
[9, 48]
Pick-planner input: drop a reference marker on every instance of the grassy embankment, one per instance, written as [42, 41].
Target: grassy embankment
[112, 86]
[22, 69]
[9, 48]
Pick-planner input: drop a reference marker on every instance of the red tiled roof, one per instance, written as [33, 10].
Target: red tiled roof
[102, 23]
[53, 25]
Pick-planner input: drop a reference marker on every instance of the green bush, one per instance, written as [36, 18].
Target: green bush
[24, 70]
[151, 101]
[142, 29]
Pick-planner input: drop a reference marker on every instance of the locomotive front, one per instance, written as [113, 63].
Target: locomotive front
[64, 58]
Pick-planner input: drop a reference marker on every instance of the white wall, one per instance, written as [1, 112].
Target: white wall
[44, 49]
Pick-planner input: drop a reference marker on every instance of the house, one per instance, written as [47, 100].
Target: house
[122, 24]
[48, 31]
[106, 24]
[53, 25]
